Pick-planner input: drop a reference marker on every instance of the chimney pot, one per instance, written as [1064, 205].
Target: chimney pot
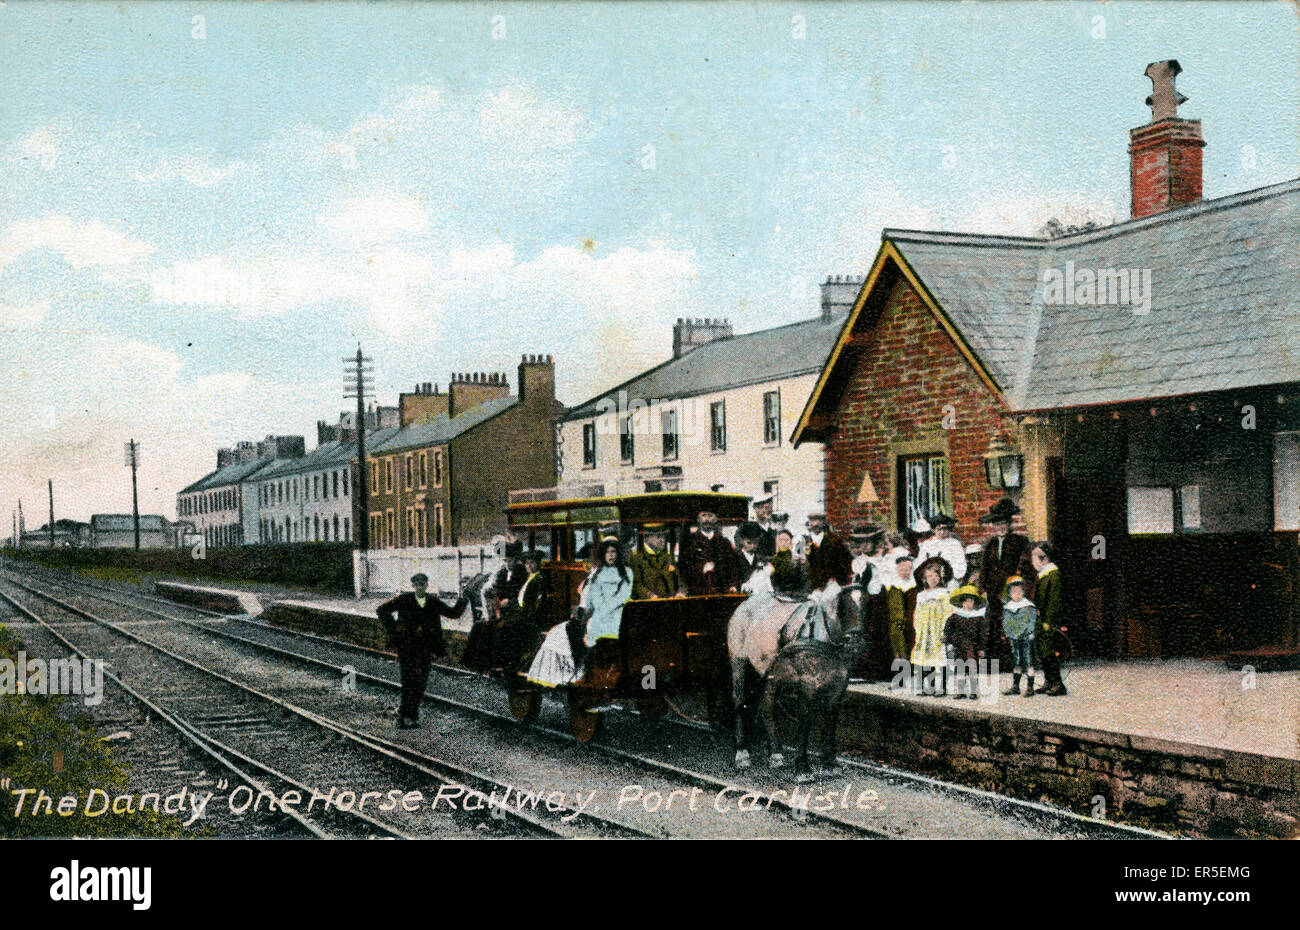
[1165, 154]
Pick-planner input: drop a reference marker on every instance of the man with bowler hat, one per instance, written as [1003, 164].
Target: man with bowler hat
[413, 623]
[1005, 554]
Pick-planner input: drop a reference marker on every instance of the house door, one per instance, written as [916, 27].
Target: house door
[1088, 529]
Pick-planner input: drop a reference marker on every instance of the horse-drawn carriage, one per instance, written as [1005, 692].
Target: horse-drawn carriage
[667, 647]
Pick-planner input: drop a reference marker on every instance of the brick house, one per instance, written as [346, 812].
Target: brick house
[1151, 430]
[443, 478]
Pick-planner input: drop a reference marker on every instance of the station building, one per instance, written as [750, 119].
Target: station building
[1135, 389]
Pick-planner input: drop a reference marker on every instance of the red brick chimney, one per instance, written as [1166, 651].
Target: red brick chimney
[1165, 154]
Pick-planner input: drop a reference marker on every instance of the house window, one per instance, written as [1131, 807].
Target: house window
[410, 526]
[336, 484]
[347, 529]
[589, 445]
[437, 468]
[409, 472]
[772, 488]
[374, 477]
[437, 525]
[336, 528]
[1164, 511]
[390, 527]
[772, 418]
[424, 469]
[718, 426]
[388, 475]
[926, 488]
[626, 441]
[668, 422]
[419, 527]
[345, 483]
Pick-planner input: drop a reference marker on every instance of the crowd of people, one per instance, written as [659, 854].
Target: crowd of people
[936, 604]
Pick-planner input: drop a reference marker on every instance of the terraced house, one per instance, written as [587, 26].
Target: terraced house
[219, 504]
[716, 415]
[443, 478]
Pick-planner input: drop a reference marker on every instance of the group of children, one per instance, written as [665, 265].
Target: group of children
[936, 596]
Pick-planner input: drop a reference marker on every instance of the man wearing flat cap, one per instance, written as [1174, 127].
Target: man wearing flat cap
[654, 573]
[413, 623]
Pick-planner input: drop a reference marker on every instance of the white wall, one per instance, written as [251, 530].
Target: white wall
[741, 469]
[301, 505]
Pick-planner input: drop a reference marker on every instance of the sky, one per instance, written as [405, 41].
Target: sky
[204, 208]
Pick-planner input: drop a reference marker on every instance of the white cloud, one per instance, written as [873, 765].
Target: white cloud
[375, 219]
[23, 316]
[42, 148]
[191, 170]
[81, 244]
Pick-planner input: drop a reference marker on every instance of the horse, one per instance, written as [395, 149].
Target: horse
[782, 647]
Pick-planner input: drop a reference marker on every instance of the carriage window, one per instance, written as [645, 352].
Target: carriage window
[668, 420]
[925, 486]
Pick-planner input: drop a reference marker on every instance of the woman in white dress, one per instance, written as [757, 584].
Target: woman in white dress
[604, 593]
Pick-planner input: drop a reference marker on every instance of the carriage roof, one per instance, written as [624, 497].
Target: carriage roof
[671, 507]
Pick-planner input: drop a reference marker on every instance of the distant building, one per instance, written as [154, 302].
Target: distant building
[345, 430]
[218, 504]
[117, 531]
[67, 534]
[308, 499]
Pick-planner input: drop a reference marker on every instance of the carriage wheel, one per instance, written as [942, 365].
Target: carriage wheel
[584, 723]
[525, 704]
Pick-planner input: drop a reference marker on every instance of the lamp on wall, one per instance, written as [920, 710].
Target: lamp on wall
[1003, 465]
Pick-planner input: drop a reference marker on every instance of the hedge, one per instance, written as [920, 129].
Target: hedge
[325, 567]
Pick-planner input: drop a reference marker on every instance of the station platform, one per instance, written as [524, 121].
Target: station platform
[1182, 746]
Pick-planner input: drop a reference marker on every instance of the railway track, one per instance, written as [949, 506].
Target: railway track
[257, 732]
[376, 667]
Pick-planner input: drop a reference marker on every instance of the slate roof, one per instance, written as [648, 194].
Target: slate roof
[440, 429]
[231, 474]
[323, 456]
[1225, 303]
[748, 358]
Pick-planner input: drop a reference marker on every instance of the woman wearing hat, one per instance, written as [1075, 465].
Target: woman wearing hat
[900, 600]
[929, 620]
[966, 633]
[946, 546]
[653, 568]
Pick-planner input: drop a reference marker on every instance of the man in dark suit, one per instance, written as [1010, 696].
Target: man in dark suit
[413, 623]
[707, 560]
[827, 556]
[767, 526]
[749, 556]
[1005, 554]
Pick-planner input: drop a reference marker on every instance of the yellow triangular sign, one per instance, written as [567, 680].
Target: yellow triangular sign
[867, 493]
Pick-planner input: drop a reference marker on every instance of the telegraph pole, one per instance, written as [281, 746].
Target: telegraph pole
[360, 375]
[133, 462]
[51, 513]
[21, 523]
